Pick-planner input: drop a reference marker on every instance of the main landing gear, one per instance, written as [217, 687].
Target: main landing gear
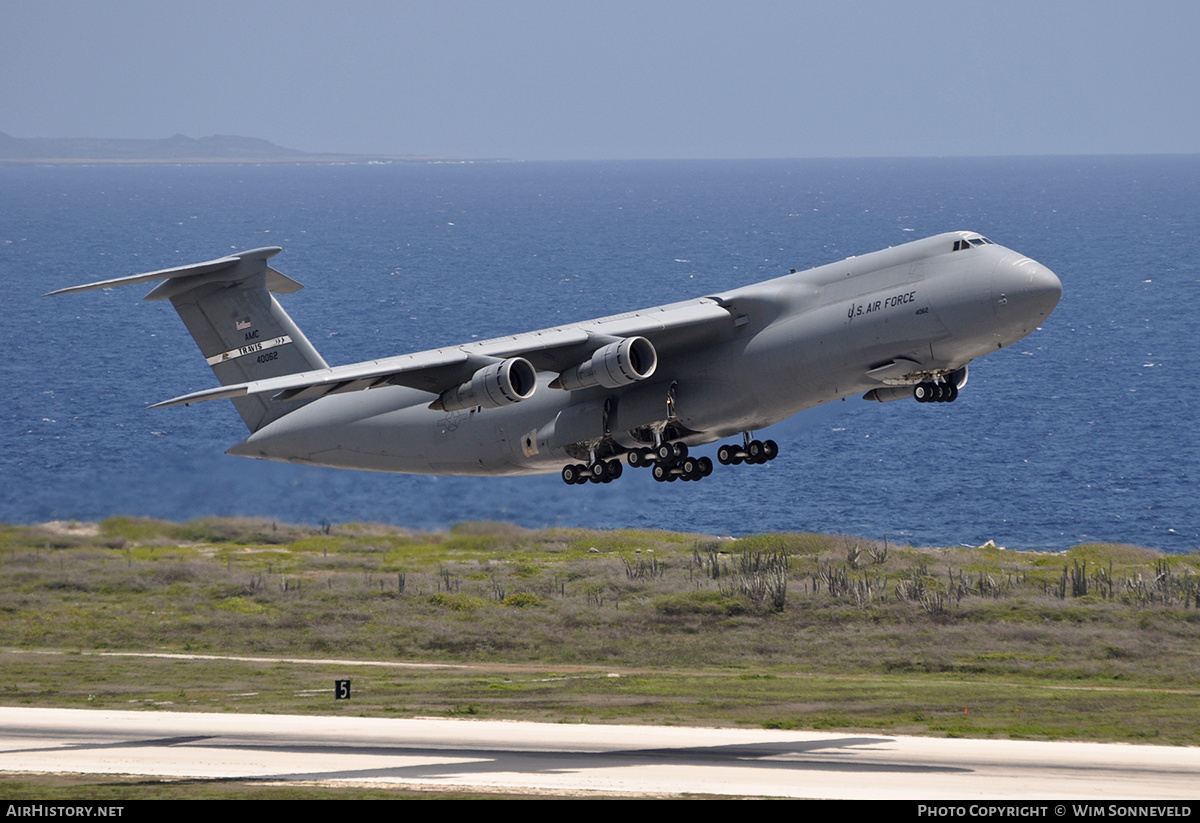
[935, 392]
[600, 471]
[670, 462]
[689, 468]
[753, 452]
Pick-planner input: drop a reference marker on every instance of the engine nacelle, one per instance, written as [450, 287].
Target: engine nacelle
[500, 384]
[614, 365]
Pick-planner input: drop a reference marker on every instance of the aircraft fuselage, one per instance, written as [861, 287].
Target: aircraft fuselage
[881, 324]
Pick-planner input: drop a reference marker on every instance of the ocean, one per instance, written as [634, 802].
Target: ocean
[1085, 431]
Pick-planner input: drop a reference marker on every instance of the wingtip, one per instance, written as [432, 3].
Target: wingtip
[67, 290]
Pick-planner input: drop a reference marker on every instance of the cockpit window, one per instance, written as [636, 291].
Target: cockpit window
[960, 245]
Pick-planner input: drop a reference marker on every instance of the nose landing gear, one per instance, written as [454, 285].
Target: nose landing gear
[929, 392]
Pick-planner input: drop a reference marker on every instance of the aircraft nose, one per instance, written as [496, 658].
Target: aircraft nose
[1024, 290]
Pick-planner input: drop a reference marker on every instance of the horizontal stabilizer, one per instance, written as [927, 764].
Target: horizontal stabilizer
[232, 268]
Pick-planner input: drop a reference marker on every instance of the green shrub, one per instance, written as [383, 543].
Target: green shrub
[457, 602]
[521, 599]
[700, 602]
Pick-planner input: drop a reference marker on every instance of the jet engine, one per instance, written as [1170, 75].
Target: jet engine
[614, 365]
[500, 384]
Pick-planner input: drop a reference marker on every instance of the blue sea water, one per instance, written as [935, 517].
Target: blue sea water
[1085, 431]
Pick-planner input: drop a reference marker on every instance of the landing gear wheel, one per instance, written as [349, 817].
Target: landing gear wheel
[615, 469]
[754, 452]
[598, 471]
[726, 455]
[664, 452]
[635, 458]
[951, 393]
[691, 468]
[706, 466]
[570, 474]
[660, 472]
[770, 449]
[681, 450]
[923, 392]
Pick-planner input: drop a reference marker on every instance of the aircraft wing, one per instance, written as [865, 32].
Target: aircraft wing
[430, 371]
[670, 328]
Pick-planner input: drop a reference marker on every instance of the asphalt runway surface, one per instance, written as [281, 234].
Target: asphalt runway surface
[520, 757]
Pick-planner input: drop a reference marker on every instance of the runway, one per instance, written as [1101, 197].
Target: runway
[522, 757]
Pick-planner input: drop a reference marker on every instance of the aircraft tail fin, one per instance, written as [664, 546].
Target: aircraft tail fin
[241, 329]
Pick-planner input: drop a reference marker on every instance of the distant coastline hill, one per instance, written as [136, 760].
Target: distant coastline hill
[177, 149]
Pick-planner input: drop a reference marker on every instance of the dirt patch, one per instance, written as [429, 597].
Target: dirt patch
[73, 528]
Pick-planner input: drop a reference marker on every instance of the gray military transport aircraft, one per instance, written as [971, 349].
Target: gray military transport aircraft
[636, 388]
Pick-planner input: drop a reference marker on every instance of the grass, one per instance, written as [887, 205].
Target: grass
[566, 625]
[118, 789]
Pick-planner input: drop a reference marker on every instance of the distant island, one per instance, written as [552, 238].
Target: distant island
[181, 149]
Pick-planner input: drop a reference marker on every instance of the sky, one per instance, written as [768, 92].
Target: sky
[565, 80]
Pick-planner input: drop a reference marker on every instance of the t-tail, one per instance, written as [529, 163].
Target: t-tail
[241, 329]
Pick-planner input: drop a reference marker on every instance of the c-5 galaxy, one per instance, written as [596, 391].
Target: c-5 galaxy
[636, 388]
